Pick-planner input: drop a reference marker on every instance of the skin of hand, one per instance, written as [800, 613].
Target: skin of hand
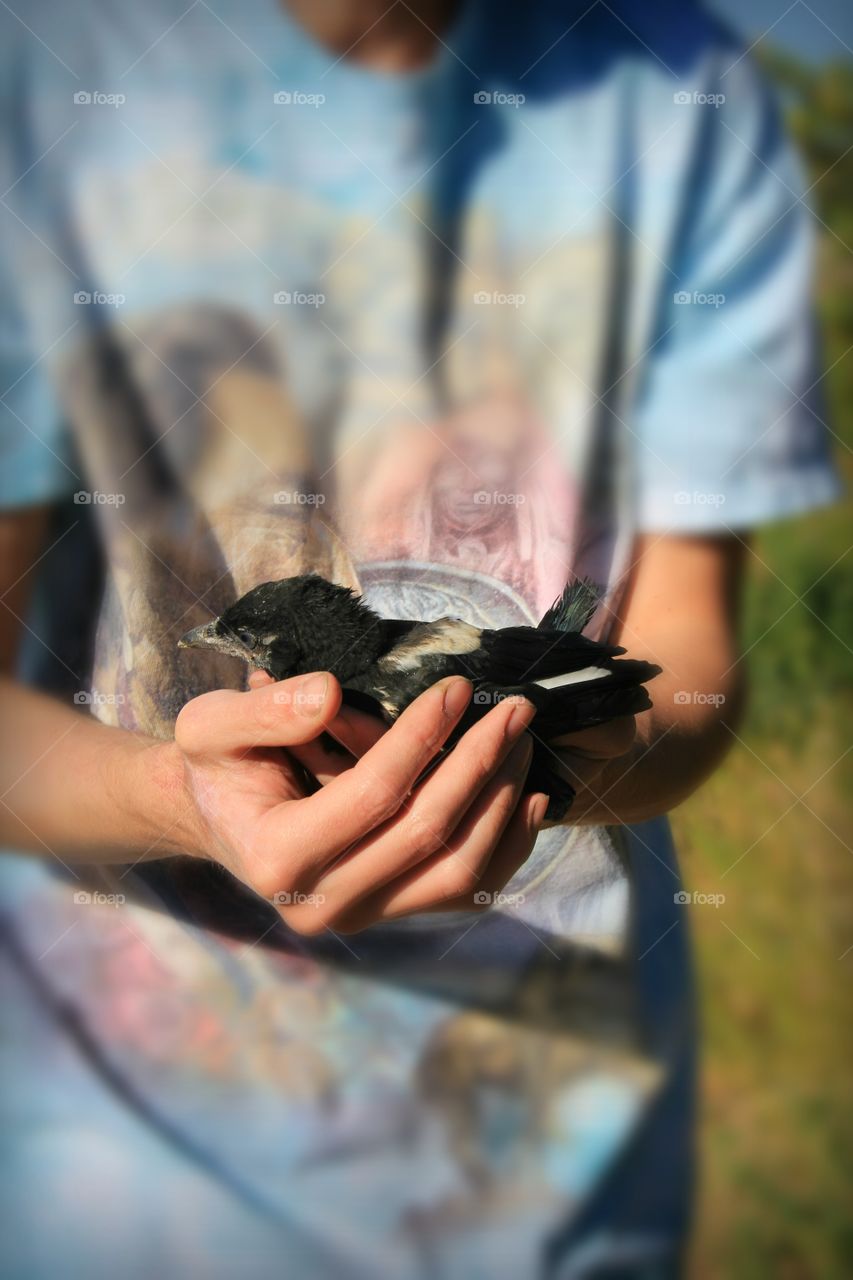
[680, 611]
[364, 846]
[234, 784]
[233, 788]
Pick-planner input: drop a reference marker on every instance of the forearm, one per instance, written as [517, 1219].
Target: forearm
[73, 788]
[679, 744]
[681, 613]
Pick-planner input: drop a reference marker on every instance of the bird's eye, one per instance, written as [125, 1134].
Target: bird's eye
[246, 638]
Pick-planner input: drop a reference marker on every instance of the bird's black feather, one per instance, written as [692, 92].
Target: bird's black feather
[574, 607]
[306, 624]
[535, 653]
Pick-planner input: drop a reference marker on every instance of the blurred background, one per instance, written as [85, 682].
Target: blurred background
[771, 830]
[775, 962]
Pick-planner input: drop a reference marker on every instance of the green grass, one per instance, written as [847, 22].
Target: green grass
[776, 960]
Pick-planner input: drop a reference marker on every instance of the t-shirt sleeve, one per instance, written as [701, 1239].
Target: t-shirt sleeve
[730, 425]
[36, 456]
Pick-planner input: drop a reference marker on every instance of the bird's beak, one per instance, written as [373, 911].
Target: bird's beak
[207, 637]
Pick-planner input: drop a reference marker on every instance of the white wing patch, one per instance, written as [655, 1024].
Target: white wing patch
[573, 677]
[447, 635]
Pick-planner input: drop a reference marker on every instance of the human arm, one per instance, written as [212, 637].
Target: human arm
[680, 611]
[365, 847]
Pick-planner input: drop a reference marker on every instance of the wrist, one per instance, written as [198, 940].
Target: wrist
[146, 783]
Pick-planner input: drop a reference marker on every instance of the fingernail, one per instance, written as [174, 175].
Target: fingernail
[457, 695]
[519, 718]
[310, 694]
[538, 810]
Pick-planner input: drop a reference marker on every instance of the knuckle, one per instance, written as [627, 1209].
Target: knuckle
[426, 833]
[425, 735]
[483, 765]
[305, 921]
[458, 881]
[268, 882]
[482, 750]
[376, 801]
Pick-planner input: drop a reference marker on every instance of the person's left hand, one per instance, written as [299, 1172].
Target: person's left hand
[586, 759]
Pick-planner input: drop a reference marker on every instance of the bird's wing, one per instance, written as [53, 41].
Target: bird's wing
[431, 642]
[396, 629]
[583, 704]
[516, 654]
[570, 707]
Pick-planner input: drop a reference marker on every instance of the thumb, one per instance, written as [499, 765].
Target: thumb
[281, 714]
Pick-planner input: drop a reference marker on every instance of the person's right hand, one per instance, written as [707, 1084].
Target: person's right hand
[364, 846]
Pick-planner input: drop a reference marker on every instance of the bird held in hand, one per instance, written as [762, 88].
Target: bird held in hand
[303, 624]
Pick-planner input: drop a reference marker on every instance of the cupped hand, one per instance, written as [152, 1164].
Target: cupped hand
[378, 840]
[586, 759]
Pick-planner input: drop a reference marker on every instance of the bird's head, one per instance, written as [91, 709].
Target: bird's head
[294, 626]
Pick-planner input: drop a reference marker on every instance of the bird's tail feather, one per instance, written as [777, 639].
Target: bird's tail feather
[574, 607]
[585, 706]
[580, 705]
[519, 654]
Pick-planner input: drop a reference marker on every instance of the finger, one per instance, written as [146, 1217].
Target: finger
[603, 742]
[513, 850]
[257, 679]
[362, 798]
[353, 732]
[431, 816]
[226, 722]
[356, 730]
[580, 771]
[452, 878]
[321, 762]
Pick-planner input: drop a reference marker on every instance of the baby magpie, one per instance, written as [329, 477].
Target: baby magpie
[302, 624]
